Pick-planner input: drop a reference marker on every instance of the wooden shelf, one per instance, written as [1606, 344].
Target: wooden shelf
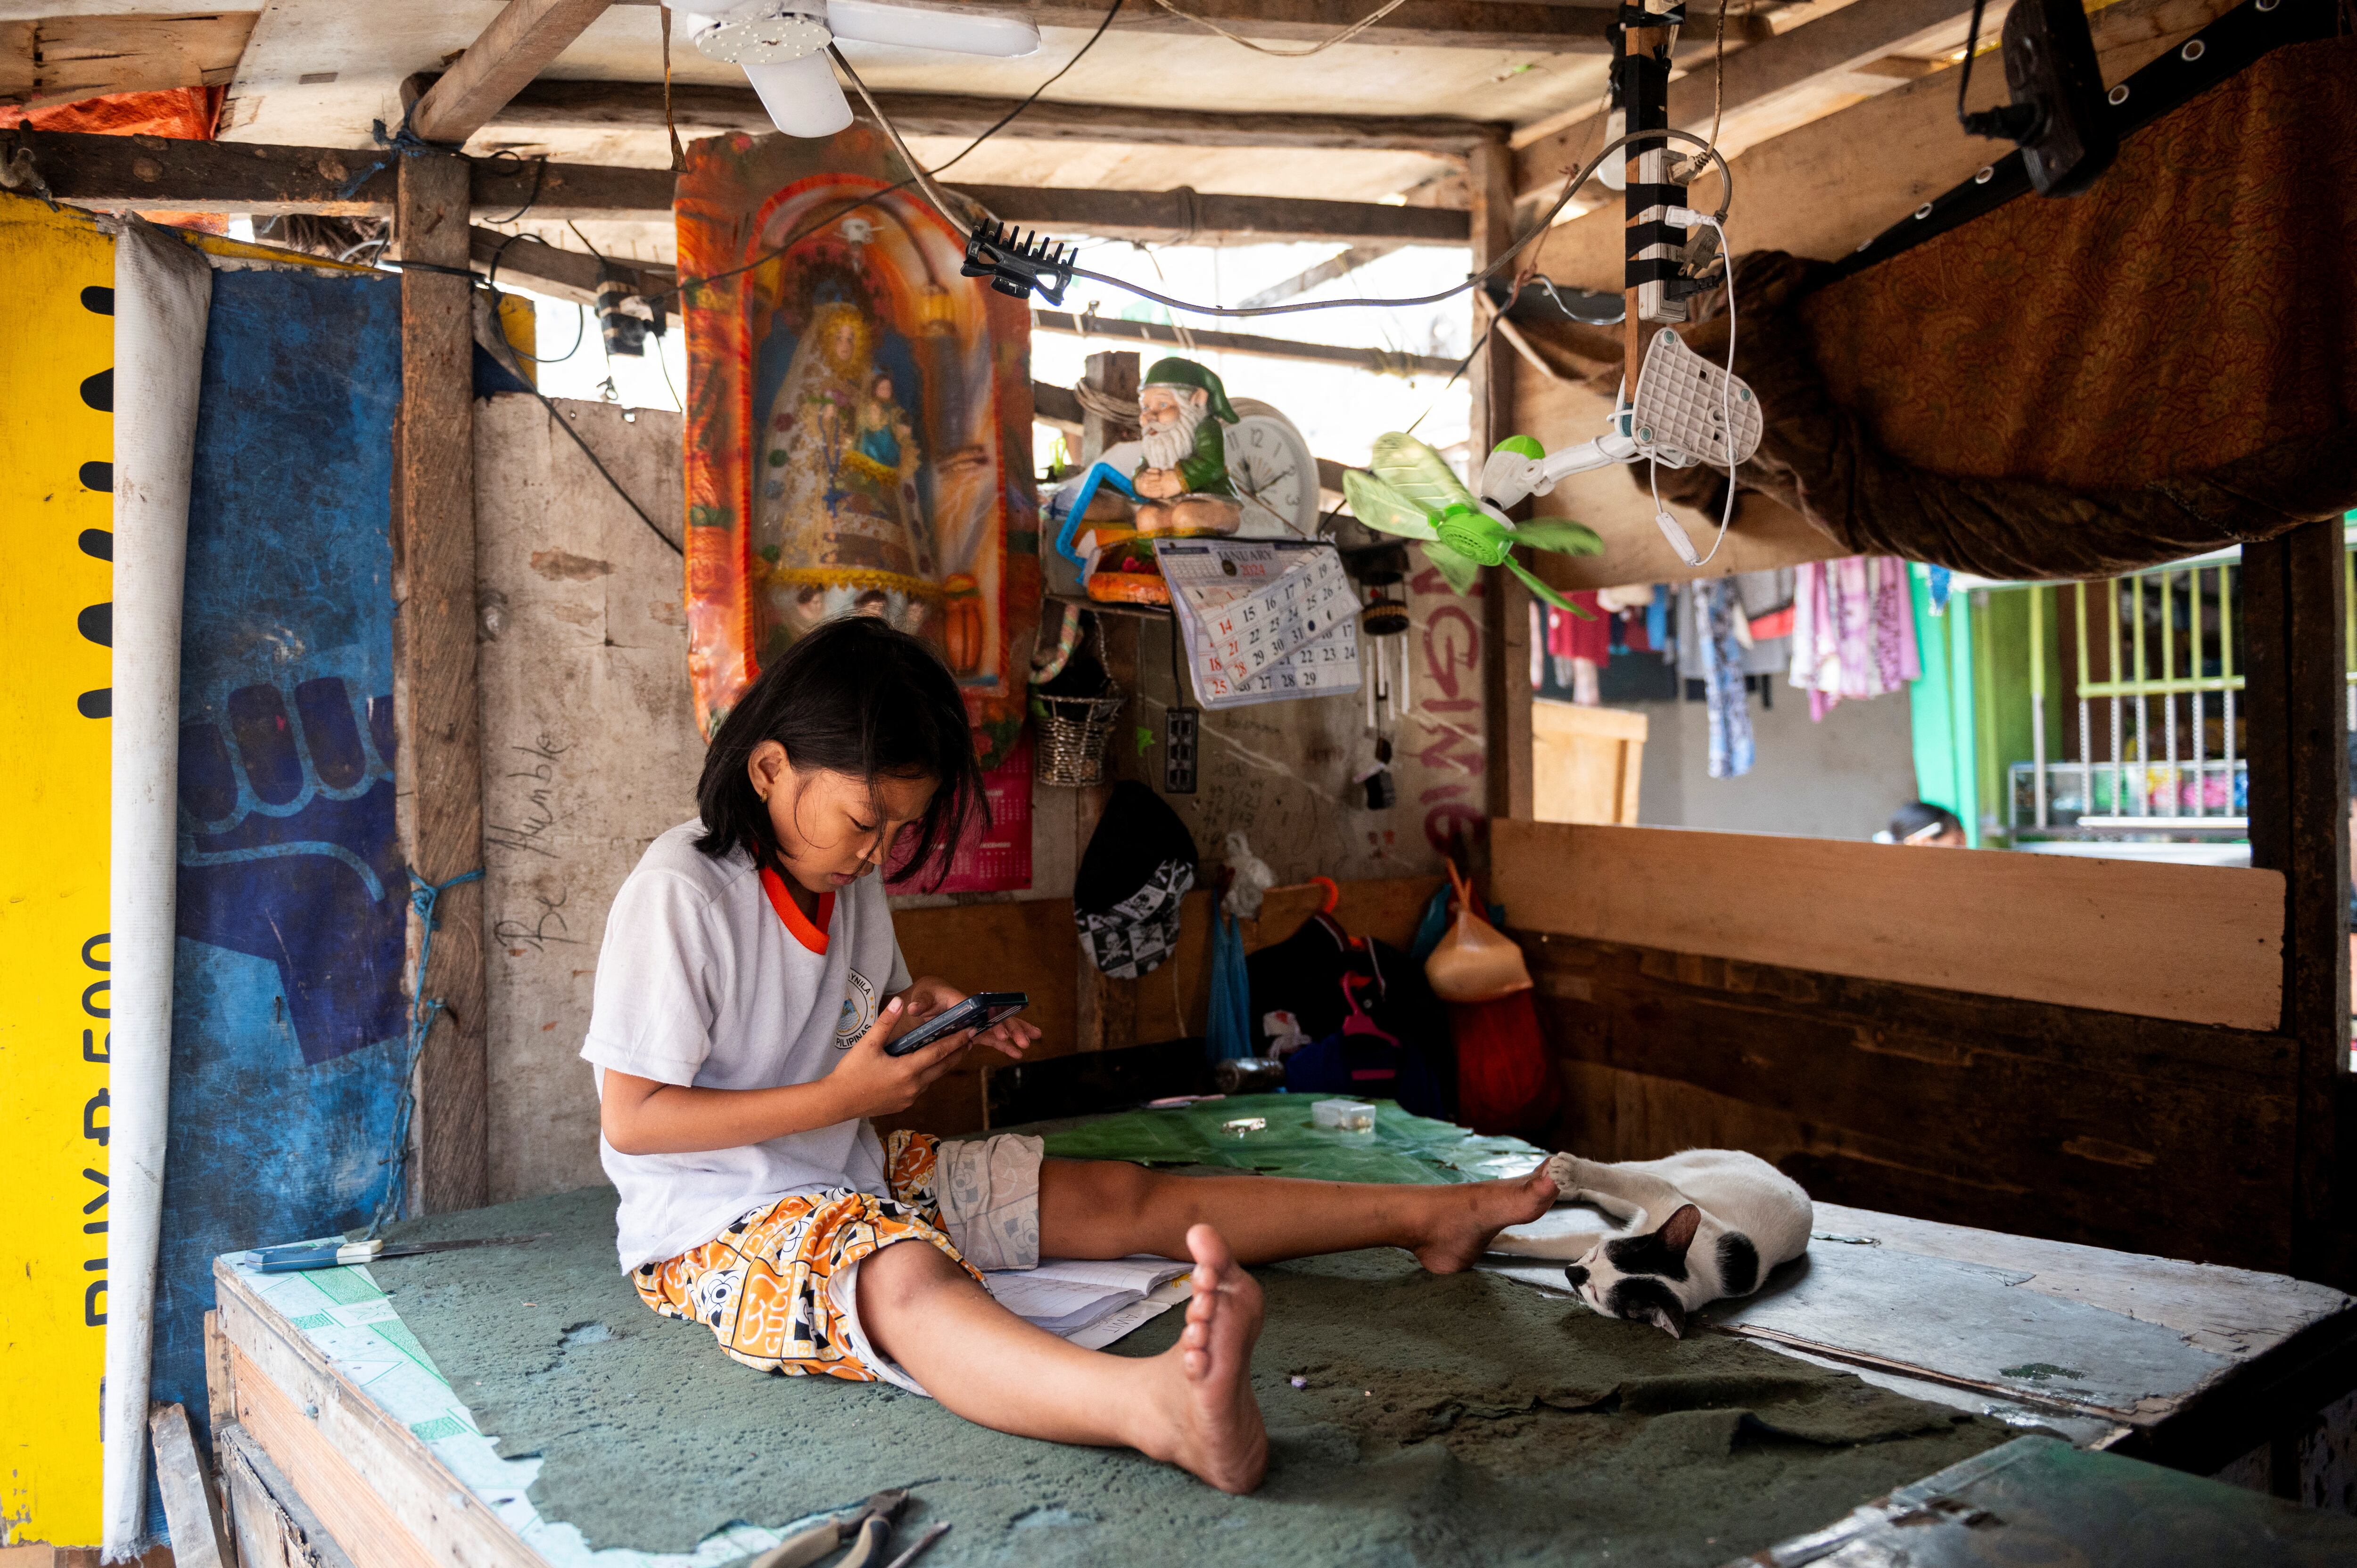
[1144, 612]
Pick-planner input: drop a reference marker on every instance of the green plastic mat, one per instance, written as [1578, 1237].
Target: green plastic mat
[1402, 1148]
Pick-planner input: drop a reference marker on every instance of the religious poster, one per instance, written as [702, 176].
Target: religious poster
[858, 426]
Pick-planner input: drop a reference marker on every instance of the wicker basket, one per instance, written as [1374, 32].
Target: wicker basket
[1074, 734]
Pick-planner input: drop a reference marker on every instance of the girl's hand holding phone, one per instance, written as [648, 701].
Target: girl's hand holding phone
[872, 1083]
[930, 996]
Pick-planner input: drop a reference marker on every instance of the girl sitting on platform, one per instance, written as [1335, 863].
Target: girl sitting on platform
[747, 987]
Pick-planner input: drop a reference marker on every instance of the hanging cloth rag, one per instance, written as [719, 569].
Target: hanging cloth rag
[1730, 710]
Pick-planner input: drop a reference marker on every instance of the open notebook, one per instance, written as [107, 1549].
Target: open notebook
[1091, 1304]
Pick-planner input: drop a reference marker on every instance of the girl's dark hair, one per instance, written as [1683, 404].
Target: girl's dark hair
[1916, 815]
[854, 697]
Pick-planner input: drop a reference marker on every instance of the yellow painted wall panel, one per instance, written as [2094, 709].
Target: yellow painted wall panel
[57, 272]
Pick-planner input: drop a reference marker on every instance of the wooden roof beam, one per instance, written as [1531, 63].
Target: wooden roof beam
[519, 44]
[1185, 217]
[1847, 41]
[1518, 27]
[1825, 188]
[558, 106]
[1380, 360]
[152, 173]
[557, 271]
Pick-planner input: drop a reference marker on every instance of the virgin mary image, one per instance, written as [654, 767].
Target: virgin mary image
[840, 527]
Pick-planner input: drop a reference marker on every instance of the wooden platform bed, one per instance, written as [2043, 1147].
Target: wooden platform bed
[2201, 1369]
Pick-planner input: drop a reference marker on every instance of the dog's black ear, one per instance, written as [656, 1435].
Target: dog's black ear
[1677, 1232]
[1577, 1274]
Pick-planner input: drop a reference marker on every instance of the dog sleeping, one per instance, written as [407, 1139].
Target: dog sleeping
[1694, 1228]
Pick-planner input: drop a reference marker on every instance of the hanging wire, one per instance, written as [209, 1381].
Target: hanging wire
[947, 207]
[1034, 96]
[1344, 36]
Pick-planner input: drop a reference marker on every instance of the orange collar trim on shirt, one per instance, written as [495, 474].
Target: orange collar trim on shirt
[811, 935]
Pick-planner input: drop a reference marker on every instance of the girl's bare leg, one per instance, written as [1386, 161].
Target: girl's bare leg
[1106, 1208]
[1190, 1406]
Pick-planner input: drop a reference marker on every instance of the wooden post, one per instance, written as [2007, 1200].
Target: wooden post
[1506, 603]
[1106, 1009]
[2296, 671]
[440, 773]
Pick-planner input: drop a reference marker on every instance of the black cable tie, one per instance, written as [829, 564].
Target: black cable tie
[1659, 269]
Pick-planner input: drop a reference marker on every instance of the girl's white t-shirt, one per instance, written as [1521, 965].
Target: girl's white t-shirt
[702, 979]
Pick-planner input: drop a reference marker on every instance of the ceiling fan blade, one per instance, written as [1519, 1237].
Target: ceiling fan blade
[916, 27]
[801, 96]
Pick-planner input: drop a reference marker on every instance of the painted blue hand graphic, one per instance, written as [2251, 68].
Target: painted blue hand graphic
[288, 852]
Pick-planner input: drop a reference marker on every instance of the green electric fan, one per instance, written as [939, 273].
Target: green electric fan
[1409, 489]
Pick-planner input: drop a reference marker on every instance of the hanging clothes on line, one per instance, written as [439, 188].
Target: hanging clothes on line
[1578, 648]
[1719, 611]
[1853, 631]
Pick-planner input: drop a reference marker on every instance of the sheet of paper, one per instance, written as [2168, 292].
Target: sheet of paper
[1118, 1323]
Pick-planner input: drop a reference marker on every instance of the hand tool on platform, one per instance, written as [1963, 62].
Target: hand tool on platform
[867, 1527]
[301, 1255]
[917, 1549]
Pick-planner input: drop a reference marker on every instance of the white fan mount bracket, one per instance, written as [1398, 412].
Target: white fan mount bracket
[1684, 408]
[780, 45]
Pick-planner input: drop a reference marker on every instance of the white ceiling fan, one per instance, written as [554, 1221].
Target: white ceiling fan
[782, 45]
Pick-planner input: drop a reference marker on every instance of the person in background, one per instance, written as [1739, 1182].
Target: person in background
[1924, 825]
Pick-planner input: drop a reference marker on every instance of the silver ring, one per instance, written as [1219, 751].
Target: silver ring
[2117, 96]
[1989, 173]
[2269, 5]
[1923, 212]
[2192, 50]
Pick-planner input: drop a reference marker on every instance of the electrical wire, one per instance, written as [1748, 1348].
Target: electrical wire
[1344, 36]
[687, 286]
[943, 205]
[1725, 396]
[1034, 97]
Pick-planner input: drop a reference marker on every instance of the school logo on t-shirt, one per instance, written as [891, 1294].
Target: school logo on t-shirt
[858, 1010]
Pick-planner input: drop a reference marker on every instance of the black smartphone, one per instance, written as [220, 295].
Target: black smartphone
[979, 1011]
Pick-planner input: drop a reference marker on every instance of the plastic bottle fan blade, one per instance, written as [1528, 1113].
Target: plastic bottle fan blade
[923, 28]
[801, 96]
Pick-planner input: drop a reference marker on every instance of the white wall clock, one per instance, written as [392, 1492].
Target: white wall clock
[1275, 477]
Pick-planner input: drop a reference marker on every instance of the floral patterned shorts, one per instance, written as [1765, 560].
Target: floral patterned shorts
[777, 1288]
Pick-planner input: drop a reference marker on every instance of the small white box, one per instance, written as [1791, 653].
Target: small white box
[1343, 1115]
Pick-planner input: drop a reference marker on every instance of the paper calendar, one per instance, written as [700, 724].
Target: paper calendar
[1264, 619]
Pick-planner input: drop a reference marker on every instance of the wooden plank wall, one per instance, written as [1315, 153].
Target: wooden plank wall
[2137, 1133]
[1033, 946]
[2201, 944]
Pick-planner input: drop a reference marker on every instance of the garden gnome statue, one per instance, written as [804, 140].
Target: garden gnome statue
[1182, 478]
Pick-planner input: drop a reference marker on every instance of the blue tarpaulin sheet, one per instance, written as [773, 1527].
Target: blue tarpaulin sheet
[287, 1046]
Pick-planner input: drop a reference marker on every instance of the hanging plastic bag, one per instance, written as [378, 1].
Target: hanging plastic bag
[1228, 1034]
[1475, 962]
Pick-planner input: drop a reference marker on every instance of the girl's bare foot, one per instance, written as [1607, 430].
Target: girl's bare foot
[1204, 1418]
[1466, 1218]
